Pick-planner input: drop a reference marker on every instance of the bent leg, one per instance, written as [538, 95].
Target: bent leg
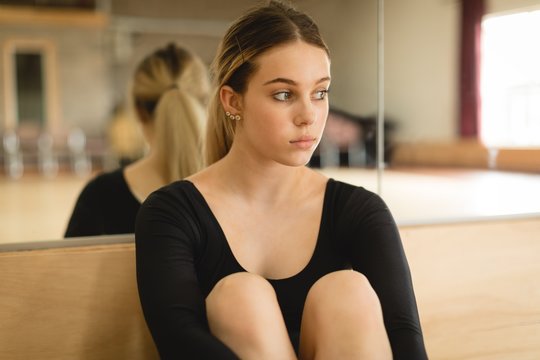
[342, 319]
[244, 313]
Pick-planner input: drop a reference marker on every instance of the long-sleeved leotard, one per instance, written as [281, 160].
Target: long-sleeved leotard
[182, 253]
[106, 205]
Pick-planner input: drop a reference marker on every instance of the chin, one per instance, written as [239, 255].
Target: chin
[297, 162]
[293, 158]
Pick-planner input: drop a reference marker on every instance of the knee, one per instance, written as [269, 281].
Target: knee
[240, 288]
[344, 291]
[238, 297]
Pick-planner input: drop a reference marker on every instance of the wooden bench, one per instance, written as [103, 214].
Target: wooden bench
[476, 285]
[72, 299]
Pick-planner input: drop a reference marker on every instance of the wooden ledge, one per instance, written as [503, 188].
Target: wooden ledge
[466, 153]
[30, 16]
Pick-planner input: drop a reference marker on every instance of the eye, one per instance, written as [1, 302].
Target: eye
[321, 94]
[283, 95]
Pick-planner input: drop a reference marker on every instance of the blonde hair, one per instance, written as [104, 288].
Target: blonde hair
[257, 31]
[170, 89]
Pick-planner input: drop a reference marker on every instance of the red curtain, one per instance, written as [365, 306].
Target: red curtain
[471, 28]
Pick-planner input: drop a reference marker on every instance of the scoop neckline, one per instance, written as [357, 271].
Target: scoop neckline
[223, 237]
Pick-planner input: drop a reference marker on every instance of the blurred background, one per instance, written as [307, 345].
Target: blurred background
[460, 100]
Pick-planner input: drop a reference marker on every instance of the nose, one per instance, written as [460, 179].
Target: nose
[306, 115]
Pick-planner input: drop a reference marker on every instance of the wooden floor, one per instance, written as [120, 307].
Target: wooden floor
[35, 208]
[441, 195]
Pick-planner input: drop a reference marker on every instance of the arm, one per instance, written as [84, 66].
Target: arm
[376, 250]
[172, 302]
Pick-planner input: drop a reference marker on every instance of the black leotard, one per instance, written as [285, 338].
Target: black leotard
[182, 253]
[106, 205]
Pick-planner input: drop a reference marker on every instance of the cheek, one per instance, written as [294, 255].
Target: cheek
[265, 117]
[271, 126]
[323, 115]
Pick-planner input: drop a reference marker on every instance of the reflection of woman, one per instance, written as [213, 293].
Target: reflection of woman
[170, 89]
[257, 256]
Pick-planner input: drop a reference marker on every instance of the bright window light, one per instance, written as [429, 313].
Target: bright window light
[510, 87]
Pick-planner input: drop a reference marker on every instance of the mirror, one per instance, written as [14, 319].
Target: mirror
[434, 174]
[426, 176]
[92, 55]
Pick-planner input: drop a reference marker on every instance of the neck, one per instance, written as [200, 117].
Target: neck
[268, 183]
[144, 176]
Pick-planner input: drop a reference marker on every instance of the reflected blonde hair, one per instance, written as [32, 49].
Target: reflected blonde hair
[170, 89]
[257, 31]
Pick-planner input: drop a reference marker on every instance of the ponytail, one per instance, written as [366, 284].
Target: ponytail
[170, 90]
[179, 122]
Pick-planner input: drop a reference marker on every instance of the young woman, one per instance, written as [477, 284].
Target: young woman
[257, 256]
[170, 91]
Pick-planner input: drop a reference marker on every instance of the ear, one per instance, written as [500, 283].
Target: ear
[230, 100]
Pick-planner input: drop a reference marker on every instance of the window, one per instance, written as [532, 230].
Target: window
[510, 87]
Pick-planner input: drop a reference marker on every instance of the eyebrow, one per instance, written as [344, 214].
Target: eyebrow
[292, 82]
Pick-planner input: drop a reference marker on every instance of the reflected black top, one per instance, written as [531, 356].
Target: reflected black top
[182, 253]
[105, 206]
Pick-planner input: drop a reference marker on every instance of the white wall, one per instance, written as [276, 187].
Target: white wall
[85, 78]
[498, 6]
[421, 65]
[349, 28]
[82, 72]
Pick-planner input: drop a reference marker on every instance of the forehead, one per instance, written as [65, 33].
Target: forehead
[298, 61]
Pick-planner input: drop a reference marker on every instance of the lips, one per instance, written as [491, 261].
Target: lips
[304, 138]
[304, 142]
